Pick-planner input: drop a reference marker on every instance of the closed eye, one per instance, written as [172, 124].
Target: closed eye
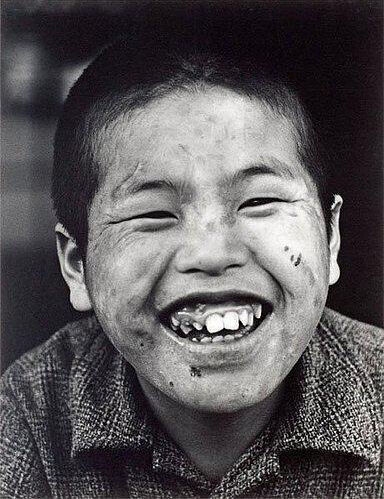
[254, 202]
[155, 215]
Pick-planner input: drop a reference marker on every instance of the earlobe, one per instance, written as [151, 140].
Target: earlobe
[72, 269]
[334, 242]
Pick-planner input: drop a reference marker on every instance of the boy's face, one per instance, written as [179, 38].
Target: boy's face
[204, 201]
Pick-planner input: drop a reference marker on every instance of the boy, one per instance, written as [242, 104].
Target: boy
[195, 222]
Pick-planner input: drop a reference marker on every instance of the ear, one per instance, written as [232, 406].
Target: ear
[72, 269]
[334, 242]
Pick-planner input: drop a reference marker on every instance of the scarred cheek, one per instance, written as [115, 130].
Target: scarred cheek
[132, 333]
[312, 277]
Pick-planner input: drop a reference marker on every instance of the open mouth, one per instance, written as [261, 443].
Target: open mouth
[206, 322]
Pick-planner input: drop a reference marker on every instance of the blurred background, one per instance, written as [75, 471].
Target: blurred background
[336, 47]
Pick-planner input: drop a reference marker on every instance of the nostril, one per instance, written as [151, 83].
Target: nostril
[213, 270]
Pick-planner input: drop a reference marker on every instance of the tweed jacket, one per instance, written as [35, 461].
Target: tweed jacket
[74, 423]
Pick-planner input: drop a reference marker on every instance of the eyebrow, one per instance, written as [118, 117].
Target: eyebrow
[273, 166]
[150, 185]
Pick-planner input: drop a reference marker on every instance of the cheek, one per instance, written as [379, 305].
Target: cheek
[293, 249]
[120, 259]
[122, 275]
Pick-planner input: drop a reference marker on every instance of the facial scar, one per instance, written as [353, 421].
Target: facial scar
[298, 260]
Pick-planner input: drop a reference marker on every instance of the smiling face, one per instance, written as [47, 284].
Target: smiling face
[204, 201]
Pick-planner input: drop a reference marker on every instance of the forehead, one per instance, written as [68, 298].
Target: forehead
[217, 129]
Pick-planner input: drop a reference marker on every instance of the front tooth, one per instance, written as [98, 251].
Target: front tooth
[214, 323]
[231, 321]
[250, 319]
[197, 326]
[244, 317]
[186, 329]
[257, 310]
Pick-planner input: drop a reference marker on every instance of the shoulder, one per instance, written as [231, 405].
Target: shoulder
[363, 343]
[52, 359]
[364, 339]
[35, 404]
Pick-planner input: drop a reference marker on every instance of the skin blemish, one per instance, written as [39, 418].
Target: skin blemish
[317, 302]
[184, 148]
[309, 273]
[298, 260]
[292, 258]
[195, 372]
[210, 226]
[286, 248]
[171, 384]
[142, 345]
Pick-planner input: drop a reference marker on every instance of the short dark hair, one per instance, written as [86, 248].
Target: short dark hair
[127, 75]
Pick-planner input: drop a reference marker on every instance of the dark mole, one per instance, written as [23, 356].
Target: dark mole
[292, 258]
[195, 371]
[298, 260]
[286, 248]
[171, 383]
[141, 344]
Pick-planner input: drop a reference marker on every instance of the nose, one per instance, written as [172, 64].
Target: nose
[211, 248]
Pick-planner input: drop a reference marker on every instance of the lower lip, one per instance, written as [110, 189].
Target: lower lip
[239, 348]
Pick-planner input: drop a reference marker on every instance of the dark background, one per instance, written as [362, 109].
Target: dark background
[336, 53]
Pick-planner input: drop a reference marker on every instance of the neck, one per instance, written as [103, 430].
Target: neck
[212, 441]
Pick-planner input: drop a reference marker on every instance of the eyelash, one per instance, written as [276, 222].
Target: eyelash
[258, 202]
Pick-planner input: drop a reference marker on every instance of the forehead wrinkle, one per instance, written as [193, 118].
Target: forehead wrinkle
[132, 185]
[127, 181]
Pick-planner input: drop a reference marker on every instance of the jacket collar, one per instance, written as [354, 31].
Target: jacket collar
[330, 404]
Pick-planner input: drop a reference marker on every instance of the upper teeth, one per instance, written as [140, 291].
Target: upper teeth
[214, 323]
[217, 321]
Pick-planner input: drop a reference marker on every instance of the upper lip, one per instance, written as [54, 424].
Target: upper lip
[224, 296]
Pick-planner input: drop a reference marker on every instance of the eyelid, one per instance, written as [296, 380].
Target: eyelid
[155, 214]
[261, 201]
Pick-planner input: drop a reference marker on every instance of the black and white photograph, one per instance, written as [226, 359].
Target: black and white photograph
[192, 249]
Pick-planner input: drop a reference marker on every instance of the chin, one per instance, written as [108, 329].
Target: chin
[220, 397]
